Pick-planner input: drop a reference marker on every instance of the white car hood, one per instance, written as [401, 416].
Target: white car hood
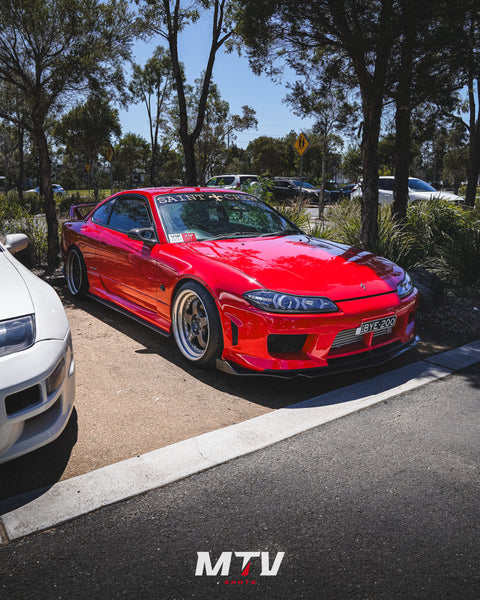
[437, 195]
[15, 299]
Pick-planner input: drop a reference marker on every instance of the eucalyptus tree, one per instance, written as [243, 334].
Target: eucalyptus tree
[153, 85]
[51, 50]
[351, 36]
[86, 131]
[272, 156]
[352, 163]
[219, 131]
[456, 157]
[471, 65]
[168, 18]
[401, 51]
[424, 70]
[131, 159]
[329, 102]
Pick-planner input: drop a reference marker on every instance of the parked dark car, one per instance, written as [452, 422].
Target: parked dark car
[285, 189]
[334, 192]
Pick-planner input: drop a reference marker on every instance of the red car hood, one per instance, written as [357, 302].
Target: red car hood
[298, 264]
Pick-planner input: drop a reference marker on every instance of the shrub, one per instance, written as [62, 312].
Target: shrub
[431, 223]
[344, 221]
[295, 212]
[261, 189]
[64, 203]
[15, 218]
[10, 207]
[395, 241]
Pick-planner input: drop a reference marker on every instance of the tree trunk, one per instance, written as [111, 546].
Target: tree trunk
[372, 112]
[21, 163]
[190, 164]
[403, 113]
[402, 162]
[187, 139]
[321, 205]
[372, 91]
[45, 165]
[93, 168]
[187, 144]
[154, 165]
[473, 165]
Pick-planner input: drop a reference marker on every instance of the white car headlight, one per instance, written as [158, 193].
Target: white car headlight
[16, 334]
[405, 287]
[289, 303]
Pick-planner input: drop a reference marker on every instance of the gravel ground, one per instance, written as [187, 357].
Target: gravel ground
[456, 321]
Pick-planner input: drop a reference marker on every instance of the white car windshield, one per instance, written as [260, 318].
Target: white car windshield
[218, 215]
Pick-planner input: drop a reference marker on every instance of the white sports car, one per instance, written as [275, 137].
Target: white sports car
[37, 371]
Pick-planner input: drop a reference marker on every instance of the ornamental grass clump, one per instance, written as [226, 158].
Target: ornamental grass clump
[15, 218]
[394, 241]
[431, 223]
[296, 212]
[344, 221]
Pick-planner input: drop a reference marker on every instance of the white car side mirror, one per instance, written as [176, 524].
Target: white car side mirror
[14, 242]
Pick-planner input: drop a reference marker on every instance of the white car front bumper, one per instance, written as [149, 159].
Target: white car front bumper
[37, 391]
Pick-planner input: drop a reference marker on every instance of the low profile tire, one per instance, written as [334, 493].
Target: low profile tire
[196, 325]
[76, 273]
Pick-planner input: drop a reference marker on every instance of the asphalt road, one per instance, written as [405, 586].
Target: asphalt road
[382, 504]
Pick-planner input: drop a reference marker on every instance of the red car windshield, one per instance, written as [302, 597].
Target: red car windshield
[218, 215]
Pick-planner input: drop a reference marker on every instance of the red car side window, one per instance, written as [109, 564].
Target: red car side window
[100, 216]
[129, 213]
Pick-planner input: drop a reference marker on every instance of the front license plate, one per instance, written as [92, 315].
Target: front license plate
[377, 325]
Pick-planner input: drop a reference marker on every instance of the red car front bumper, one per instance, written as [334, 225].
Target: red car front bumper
[312, 344]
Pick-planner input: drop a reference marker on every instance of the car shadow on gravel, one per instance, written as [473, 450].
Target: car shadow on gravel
[37, 470]
[268, 391]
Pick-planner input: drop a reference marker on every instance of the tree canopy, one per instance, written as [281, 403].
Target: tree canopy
[50, 50]
[168, 18]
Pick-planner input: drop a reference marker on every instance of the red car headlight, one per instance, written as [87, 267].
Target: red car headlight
[405, 287]
[288, 303]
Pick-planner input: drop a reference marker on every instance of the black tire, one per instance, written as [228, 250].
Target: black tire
[196, 325]
[76, 273]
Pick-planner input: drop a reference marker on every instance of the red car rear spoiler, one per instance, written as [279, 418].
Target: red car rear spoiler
[78, 212]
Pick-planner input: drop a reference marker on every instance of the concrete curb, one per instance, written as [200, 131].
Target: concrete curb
[80, 495]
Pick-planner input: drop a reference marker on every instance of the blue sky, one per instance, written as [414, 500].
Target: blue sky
[236, 81]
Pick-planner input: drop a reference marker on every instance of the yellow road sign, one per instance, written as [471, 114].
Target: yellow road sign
[109, 153]
[301, 144]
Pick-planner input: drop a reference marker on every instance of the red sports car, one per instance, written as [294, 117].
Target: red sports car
[237, 284]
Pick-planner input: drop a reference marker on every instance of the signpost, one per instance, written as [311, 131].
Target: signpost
[301, 145]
